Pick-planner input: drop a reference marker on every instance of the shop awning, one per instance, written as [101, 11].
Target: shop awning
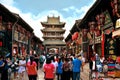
[116, 33]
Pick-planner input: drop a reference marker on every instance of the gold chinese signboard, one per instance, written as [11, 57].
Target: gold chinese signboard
[110, 47]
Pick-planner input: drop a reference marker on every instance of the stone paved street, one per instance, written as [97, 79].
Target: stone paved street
[85, 72]
[84, 75]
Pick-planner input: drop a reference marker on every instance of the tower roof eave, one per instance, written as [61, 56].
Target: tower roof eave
[46, 23]
[53, 42]
[51, 30]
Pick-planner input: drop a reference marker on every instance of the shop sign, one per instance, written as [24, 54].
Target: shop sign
[108, 21]
[110, 47]
[98, 39]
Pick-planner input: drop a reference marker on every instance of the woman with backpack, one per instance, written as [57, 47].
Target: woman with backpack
[66, 69]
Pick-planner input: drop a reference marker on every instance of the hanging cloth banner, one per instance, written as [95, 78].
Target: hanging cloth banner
[102, 43]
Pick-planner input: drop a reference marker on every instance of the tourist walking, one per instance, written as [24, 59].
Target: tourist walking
[36, 59]
[59, 70]
[15, 66]
[31, 68]
[77, 63]
[41, 59]
[49, 70]
[71, 68]
[66, 69]
[22, 69]
[9, 63]
[4, 67]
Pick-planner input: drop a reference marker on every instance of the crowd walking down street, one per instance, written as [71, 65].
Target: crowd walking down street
[91, 51]
[84, 74]
[53, 67]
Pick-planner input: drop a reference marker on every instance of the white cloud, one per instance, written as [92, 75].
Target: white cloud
[75, 10]
[34, 20]
[69, 8]
[7, 2]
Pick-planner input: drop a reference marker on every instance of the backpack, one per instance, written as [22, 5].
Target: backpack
[66, 67]
[41, 59]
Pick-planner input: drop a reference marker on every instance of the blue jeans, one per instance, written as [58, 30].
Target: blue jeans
[76, 75]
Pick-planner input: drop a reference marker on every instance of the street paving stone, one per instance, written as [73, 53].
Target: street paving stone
[84, 75]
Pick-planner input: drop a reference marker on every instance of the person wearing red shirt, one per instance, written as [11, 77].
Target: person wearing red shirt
[31, 67]
[49, 70]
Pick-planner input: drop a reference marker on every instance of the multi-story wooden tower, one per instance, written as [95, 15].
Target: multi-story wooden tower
[53, 33]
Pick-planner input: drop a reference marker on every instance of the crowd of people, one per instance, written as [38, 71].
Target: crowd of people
[54, 66]
[61, 67]
[66, 67]
[18, 66]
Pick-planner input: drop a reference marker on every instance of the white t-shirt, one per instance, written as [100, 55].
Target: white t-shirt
[21, 68]
[93, 67]
[83, 59]
[55, 64]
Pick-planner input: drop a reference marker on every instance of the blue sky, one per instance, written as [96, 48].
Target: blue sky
[36, 11]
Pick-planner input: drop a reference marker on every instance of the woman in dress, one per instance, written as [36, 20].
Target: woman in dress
[21, 70]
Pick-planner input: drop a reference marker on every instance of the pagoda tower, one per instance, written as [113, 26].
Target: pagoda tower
[53, 34]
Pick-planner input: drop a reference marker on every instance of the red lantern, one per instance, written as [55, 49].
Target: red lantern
[118, 59]
[73, 37]
[0, 19]
[1, 44]
[76, 35]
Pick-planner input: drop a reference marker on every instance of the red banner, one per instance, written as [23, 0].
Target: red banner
[102, 44]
